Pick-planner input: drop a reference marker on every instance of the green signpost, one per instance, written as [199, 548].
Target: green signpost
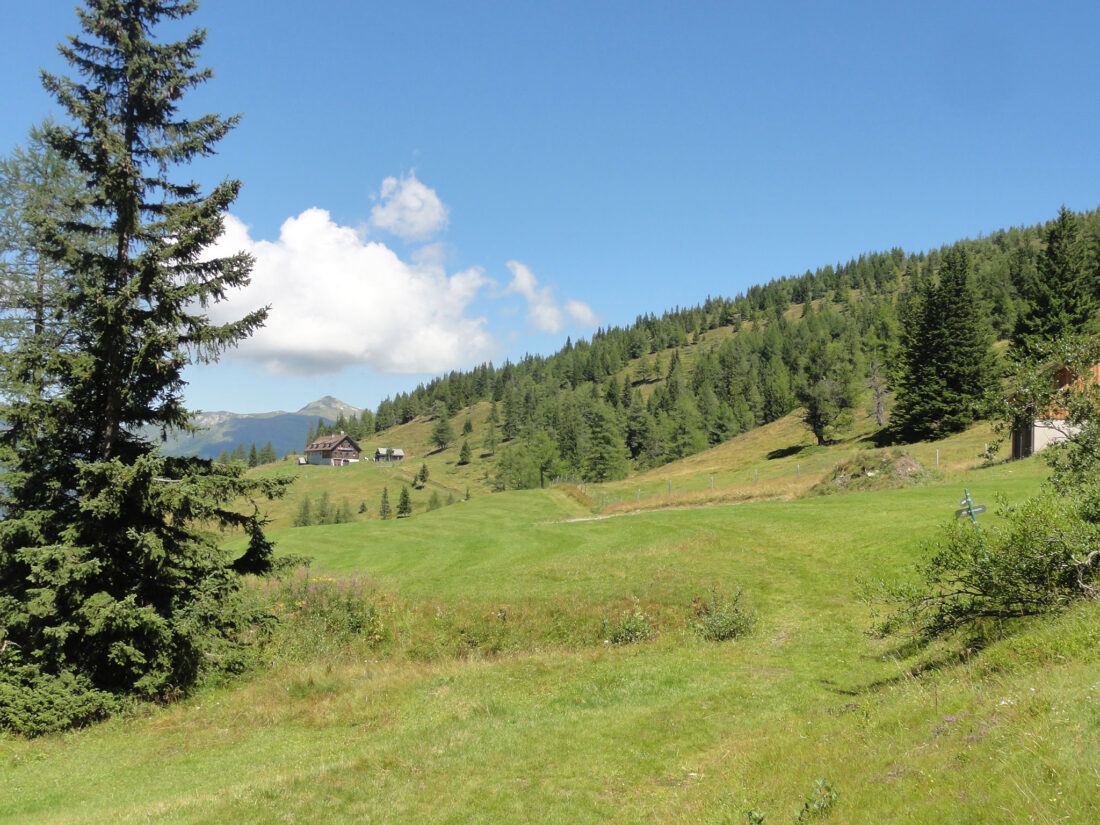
[969, 508]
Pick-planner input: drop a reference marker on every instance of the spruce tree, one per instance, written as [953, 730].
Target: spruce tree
[464, 453]
[1063, 294]
[384, 509]
[945, 366]
[268, 454]
[626, 394]
[110, 582]
[404, 504]
[605, 458]
[512, 419]
[613, 393]
[640, 427]
[918, 384]
[966, 355]
[366, 424]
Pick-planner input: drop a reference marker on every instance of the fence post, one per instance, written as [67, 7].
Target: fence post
[797, 470]
[937, 458]
[670, 486]
[712, 482]
[639, 494]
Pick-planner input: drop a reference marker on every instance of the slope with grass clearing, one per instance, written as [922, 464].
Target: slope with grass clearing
[491, 692]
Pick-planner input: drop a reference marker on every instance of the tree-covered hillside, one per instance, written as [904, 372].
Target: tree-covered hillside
[668, 386]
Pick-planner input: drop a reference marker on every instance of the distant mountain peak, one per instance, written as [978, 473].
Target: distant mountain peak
[329, 407]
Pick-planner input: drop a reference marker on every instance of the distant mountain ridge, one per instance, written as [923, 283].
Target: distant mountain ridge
[329, 407]
[223, 430]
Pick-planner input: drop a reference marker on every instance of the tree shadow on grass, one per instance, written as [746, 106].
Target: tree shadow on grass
[898, 654]
[786, 452]
[879, 439]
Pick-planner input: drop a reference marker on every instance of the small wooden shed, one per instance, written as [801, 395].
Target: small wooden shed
[1052, 427]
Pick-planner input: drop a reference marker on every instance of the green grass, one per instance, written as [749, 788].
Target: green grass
[363, 483]
[562, 728]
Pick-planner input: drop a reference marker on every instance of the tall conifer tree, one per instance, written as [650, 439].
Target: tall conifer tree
[1063, 294]
[268, 454]
[945, 368]
[404, 504]
[966, 361]
[605, 458]
[108, 580]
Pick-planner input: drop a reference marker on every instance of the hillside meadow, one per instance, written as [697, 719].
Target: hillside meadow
[775, 461]
[493, 693]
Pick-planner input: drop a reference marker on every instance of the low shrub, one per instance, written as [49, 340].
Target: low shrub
[720, 618]
[33, 703]
[631, 626]
[1039, 560]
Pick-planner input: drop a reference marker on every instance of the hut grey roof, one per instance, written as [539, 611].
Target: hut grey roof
[331, 442]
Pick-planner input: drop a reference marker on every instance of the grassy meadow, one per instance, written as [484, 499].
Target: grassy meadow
[493, 693]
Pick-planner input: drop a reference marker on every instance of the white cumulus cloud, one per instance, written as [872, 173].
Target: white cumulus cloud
[338, 300]
[543, 311]
[409, 209]
[581, 312]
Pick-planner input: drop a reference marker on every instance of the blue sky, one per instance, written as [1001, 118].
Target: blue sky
[431, 185]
